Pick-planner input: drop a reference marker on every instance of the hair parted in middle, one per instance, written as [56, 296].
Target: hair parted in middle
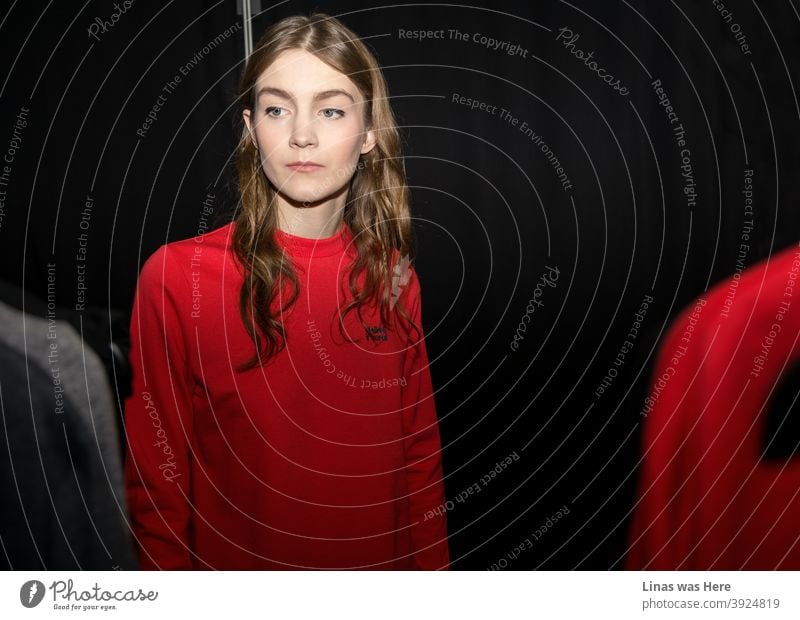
[377, 210]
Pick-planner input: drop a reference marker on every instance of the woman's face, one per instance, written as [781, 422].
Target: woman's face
[306, 111]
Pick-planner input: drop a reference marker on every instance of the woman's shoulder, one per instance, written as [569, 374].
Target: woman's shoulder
[177, 259]
[218, 239]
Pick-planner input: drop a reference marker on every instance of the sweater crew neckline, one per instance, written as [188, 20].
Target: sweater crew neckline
[312, 246]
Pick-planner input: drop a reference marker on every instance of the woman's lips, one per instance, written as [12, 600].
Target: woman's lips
[304, 167]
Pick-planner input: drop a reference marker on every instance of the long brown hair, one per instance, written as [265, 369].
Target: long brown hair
[377, 210]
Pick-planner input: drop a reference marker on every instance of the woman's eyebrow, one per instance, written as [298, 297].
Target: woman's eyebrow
[325, 94]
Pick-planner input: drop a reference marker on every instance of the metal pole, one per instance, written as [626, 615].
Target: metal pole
[248, 28]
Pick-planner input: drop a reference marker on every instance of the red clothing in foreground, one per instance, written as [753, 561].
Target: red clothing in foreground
[706, 499]
[326, 457]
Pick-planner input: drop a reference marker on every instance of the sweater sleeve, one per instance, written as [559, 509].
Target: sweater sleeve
[423, 451]
[158, 418]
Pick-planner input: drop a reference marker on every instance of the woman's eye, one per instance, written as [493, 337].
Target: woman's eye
[335, 111]
[329, 113]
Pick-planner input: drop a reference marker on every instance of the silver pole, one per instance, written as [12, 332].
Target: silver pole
[248, 28]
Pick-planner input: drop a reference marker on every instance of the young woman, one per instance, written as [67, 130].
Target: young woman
[282, 415]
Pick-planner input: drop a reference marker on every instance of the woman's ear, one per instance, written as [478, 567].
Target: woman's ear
[248, 124]
[369, 142]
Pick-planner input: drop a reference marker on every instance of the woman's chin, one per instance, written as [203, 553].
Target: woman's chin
[304, 200]
[300, 198]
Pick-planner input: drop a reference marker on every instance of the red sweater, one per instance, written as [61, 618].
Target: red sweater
[706, 499]
[327, 457]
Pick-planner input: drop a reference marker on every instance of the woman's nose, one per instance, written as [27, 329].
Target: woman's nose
[303, 131]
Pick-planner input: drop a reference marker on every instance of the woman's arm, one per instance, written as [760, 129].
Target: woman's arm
[423, 450]
[158, 417]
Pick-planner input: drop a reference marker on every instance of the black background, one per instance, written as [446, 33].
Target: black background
[490, 213]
